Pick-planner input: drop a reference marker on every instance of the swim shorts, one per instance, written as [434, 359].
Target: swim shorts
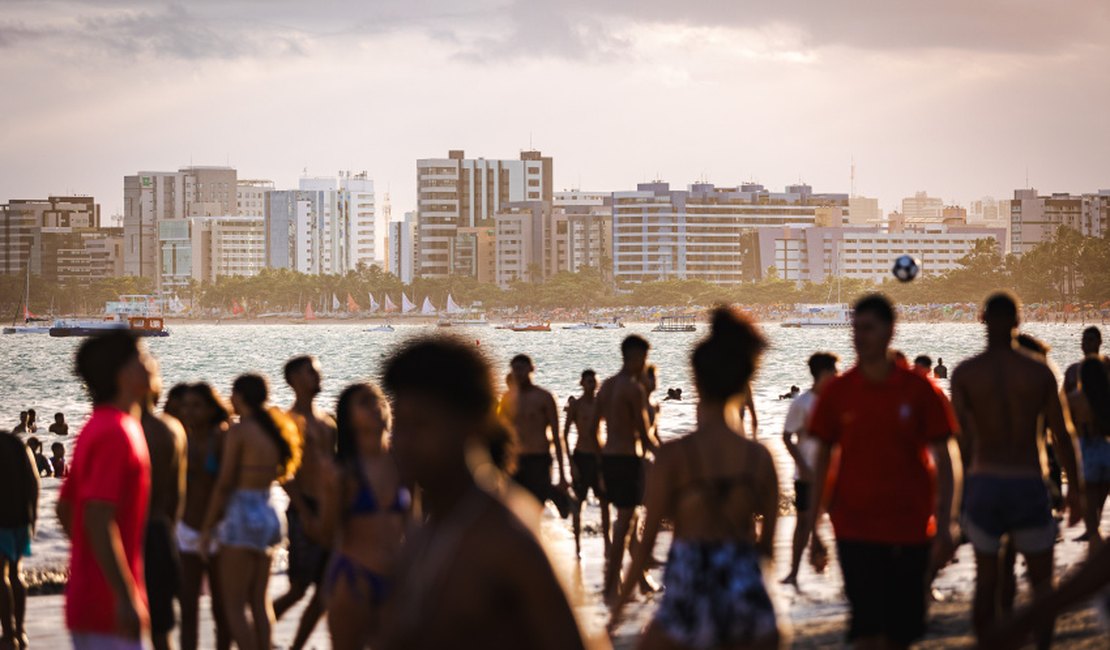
[624, 480]
[585, 473]
[307, 560]
[161, 568]
[1018, 506]
[533, 473]
[15, 543]
[1096, 458]
[885, 586]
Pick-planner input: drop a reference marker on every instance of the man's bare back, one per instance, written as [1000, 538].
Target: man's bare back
[1003, 397]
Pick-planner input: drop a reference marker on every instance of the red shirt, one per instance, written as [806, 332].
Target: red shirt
[110, 464]
[886, 484]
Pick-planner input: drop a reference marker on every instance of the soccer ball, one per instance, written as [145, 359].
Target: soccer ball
[905, 268]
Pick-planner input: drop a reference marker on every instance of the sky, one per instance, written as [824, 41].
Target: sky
[960, 99]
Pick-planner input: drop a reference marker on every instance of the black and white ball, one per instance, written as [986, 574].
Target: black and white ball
[905, 268]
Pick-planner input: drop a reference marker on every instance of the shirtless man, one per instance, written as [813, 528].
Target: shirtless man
[307, 557]
[622, 403]
[533, 414]
[1090, 345]
[1000, 397]
[584, 466]
[165, 438]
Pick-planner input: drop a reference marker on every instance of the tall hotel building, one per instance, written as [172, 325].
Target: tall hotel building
[660, 233]
[457, 192]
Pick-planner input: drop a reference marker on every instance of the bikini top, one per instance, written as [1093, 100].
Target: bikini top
[715, 490]
[367, 504]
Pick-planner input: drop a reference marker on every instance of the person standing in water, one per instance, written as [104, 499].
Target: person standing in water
[307, 558]
[1090, 343]
[1002, 396]
[104, 501]
[895, 498]
[165, 440]
[365, 511]
[585, 469]
[721, 493]
[474, 574]
[622, 403]
[258, 452]
[822, 366]
[533, 414]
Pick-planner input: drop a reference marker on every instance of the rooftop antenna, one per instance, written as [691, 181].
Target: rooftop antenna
[853, 176]
[1027, 177]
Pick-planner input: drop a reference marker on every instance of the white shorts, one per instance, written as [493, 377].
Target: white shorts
[188, 539]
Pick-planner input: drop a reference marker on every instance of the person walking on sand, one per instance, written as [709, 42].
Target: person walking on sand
[721, 493]
[365, 510]
[822, 366]
[19, 483]
[1001, 396]
[103, 503]
[258, 451]
[165, 440]
[585, 471]
[622, 403]
[307, 558]
[533, 414]
[895, 496]
[1089, 404]
[206, 420]
[475, 574]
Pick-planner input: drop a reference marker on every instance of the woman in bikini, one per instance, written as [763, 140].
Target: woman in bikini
[365, 512]
[721, 492]
[258, 452]
[206, 420]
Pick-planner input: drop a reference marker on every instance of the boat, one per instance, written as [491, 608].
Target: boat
[612, 325]
[577, 327]
[531, 327]
[380, 328]
[28, 317]
[138, 325]
[676, 324]
[821, 316]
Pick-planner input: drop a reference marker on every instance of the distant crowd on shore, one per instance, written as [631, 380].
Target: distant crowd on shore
[413, 505]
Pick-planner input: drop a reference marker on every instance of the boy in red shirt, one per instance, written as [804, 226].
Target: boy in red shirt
[893, 501]
[103, 503]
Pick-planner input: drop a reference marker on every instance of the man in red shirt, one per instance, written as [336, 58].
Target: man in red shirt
[893, 500]
[103, 503]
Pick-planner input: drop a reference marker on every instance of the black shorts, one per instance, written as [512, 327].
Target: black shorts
[307, 559]
[585, 475]
[624, 480]
[161, 570]
[885, 585]
[803, 494]
[533, 473]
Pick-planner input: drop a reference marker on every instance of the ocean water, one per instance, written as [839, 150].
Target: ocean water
[36, 370]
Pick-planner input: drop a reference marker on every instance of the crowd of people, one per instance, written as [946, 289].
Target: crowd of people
[413, 506]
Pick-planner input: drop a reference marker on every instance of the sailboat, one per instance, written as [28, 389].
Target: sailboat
[28, 317]
[373, 303]
[309, 314]
[389, 306]
[407, 305]
[453, 309]
[428, 309]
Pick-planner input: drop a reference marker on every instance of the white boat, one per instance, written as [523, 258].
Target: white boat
[676, 324]
[380, 328]
[577, 327]
[613, 325]
[821, 316]
[27, 329]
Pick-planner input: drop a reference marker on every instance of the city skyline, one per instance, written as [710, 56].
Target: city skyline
[961, 102]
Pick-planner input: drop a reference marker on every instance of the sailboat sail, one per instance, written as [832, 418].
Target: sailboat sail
[352, 306]
[428, 309]
[452, 307]
[373, 303]
[406, 304]
[334, 302]
[309, 314]
[389, 306]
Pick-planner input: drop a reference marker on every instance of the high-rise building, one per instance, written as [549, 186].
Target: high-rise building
[459, 192]
[227, 246]
[521, 233]
[250, 197]
[52, 235]
[344, 229]
[922, 208]
[290, 217]
[581, 232]
[152, 197]
[864, 211]
[660, 233]
[402, 247]
[1034, 219]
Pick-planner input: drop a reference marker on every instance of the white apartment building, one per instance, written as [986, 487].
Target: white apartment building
[250, 197]
[1034, 219]
[402, 248]
[922, 208]
[332, 225]
[862, 252]
[208, 247]
[149, 198]
[659, 233]
[459, 192]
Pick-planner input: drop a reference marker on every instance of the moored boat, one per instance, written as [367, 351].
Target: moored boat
[531, 327]
[138, 325]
